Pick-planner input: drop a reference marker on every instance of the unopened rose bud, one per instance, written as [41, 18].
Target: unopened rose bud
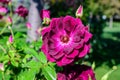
[10, 39]
[28, 25]
[5, 1]
[22, 11]
[9, 20]
[1, 67]
[45, 16]
[79, 11]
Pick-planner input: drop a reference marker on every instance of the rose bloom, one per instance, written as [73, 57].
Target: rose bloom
[22, 11]
[76, 72]
[65, 40]
[3, 10]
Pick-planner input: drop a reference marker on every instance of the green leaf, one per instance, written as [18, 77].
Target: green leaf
[0, 75]
[33, 52]
[14, 63]
[25, 59]
[32, 64]
[12, 53]
[4, 57]
[27, 75]
[49, 73]
[42, 57]
[33, 69]
[18, 35]
[93, 65]
[105, 77]
[7, 77]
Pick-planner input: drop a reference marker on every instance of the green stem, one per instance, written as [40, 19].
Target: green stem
[9, 27]
[3, 77]
[3, 49]
[10, 6]
[3, 30]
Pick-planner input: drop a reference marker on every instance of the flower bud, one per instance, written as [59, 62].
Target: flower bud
[28, 25]
[3, 10]
[22, 11]
[45, 16]
[9, 20]
[79, 11]
[10, 39]
[1, 67]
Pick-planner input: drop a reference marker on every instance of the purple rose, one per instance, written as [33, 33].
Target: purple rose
[76, 72]
[3, 10]
[65, 39]
[22, 11]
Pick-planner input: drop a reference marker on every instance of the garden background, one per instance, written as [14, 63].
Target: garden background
[102, 17]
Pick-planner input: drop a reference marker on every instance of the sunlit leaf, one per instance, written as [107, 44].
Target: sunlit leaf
[49, 73]
[105, 77]
[42, 57]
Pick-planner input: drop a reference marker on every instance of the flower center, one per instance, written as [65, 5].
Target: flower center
[64, 38]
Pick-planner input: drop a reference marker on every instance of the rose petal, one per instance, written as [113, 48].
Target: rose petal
[59, 55]
[84, 51]
[73, 54]
[45, 30]
[64, 61]
[45, 51]
[69, 23]
[68, 49]
[61, 76]
[87, 36]
[80, 44]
